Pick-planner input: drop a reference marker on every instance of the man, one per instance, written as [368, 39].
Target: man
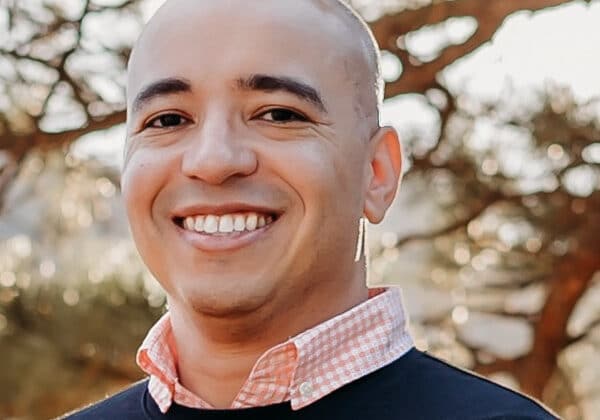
[254, 154]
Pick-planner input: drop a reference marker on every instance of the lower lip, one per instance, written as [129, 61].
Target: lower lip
[225, 242]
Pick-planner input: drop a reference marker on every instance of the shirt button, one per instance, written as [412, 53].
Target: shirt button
[306, 389]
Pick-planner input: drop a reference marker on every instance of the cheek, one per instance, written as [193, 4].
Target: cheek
[321, 172]
[133, 188]
[142, 179]
[309, 168]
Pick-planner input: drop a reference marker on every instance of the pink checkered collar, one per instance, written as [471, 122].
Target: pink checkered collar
[301, 370]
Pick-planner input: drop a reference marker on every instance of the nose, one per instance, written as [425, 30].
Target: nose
[216, 153]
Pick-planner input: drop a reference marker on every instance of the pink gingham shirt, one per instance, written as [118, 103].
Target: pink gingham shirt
[301, 370]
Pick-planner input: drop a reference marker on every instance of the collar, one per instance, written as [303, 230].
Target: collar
[301, 370]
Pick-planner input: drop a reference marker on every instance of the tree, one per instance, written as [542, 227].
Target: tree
[61, 77]
[62, 73]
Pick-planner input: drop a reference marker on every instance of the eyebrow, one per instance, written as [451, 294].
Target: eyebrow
[267, 83]
[158, 88]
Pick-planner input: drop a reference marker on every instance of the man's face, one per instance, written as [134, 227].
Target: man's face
[245, 165]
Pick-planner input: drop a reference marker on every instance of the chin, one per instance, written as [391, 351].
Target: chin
[225, 302]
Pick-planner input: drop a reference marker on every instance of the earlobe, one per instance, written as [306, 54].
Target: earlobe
[385, 171]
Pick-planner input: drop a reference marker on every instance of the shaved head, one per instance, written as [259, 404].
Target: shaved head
[365, 41]
[361, 61]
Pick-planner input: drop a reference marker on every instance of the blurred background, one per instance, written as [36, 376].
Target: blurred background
[495, 235]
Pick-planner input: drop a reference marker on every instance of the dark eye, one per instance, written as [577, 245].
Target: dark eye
[282, 115]
[166, 120]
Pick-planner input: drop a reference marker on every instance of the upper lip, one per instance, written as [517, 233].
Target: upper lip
[227, 208]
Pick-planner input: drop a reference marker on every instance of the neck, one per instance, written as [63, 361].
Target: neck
[216, 354]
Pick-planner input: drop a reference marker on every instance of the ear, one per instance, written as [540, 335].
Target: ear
[384, 172]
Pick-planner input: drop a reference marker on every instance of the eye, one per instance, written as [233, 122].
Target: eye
[166, 121]
[282, 115]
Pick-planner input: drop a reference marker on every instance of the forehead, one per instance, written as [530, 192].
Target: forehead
[216, 41]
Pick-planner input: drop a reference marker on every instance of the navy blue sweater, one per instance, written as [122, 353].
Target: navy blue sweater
[416, 386]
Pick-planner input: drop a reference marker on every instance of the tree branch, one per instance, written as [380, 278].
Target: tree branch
[489, 14]
[460, 223]
[573, 274]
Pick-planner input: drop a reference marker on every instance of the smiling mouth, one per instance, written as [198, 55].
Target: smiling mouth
[226, 224]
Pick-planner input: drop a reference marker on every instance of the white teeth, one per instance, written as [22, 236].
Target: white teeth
[199, 224]
[226, 224]
[239, 223]
[188, 223]
[251, 221]
[211, 224]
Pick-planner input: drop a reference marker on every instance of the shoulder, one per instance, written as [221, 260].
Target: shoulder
[125, 404]
[434, 386]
